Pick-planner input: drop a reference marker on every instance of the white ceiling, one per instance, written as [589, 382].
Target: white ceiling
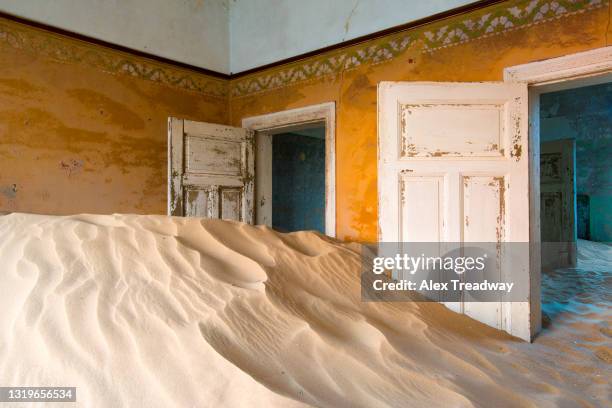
[265, 31]
[225, 35]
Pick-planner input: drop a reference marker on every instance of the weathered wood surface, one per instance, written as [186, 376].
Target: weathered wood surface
[453, 167]
[211, 171]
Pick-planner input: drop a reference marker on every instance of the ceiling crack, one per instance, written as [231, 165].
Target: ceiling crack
[347, 24]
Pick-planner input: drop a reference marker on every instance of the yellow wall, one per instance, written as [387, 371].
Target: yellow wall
[481, 58]
[84, 129]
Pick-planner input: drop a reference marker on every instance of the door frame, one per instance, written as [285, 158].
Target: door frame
[555, 74]
[265, 126]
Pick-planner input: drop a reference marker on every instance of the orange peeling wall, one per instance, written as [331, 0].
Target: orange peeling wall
[354, 89]
[84, 129]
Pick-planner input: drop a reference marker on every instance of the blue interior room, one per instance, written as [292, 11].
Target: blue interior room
[298, 180]
[585, 115]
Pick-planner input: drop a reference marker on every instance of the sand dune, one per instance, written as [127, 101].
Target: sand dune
[155, 311]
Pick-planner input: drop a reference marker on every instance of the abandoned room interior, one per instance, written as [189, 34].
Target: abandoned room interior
[225, 203]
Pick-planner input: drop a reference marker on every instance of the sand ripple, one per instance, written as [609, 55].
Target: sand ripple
[155, 311]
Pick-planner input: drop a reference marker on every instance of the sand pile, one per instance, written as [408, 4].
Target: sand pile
[155, 311]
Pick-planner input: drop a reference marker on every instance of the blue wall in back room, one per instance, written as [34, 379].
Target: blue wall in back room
[585, 114]
[298, 181]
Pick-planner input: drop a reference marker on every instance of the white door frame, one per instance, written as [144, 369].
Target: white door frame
[570, 71]
[286, 121]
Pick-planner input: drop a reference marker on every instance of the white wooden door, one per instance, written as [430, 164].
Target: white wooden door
[211, 170]
[453, 167]
[557, 221]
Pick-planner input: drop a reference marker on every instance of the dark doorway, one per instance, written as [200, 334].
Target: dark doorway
[298, 180]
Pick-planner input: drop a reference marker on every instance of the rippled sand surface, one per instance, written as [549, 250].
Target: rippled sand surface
[154, 311]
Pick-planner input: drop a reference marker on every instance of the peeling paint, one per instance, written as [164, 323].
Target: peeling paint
[18, 87]
[49, 125]
[283, 88]
[110, 110]
[71, 166]
[9, 191]
[439, 153]
[517, 144]
[500, 186]
[91, 126]
[492, 147]
[219, 151]
[402, 192]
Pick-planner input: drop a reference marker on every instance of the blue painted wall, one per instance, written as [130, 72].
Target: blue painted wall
[585, 114]
[298, 181]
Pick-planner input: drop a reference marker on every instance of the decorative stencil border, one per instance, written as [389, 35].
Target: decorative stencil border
[69, 50]
[494, 20]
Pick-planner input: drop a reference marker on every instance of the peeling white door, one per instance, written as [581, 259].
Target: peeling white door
[211, 170]
[453, 167]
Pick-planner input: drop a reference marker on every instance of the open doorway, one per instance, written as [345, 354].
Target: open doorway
[579, 282]
[295, 169]
[576, 199]
[298, 180]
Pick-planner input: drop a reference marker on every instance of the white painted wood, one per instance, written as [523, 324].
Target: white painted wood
[555, 74]
[175, 166]
[482, 220]
[474, 139]
[210, 171]
[287, 121]
[557, 207]
[421, 220]
[535, 255]
[263, 178]
[464, 148]
[579, 65]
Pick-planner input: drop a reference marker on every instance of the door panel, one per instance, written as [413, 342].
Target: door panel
[471, 131]
[483, 215]
[453, 167]
[213, 156]
[231, 203]
[483, 221]
[421, 220]
[557, 218]
[196, 201]
[211, 171]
